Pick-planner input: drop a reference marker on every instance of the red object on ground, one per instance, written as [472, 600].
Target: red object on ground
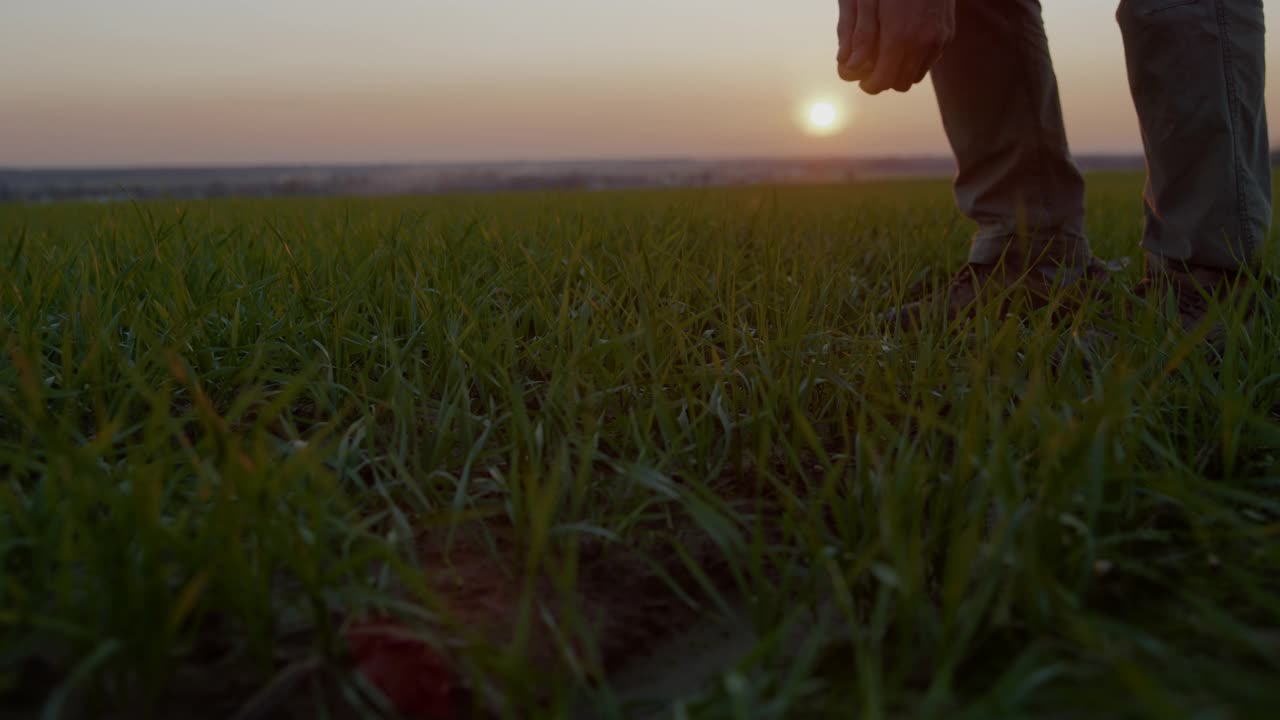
[413, 676]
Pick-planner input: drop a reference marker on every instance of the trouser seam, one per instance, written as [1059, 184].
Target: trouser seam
[1028, 82]
[1233, 113]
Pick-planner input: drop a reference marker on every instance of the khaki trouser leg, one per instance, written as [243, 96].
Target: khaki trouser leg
[1197, 72]
[999, 100]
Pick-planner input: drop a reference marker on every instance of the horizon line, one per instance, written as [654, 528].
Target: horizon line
[636, 159]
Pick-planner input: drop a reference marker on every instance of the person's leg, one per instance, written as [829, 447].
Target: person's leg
[1197, 72]
[999, 101]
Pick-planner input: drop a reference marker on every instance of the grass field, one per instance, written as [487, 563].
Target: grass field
[541, 431]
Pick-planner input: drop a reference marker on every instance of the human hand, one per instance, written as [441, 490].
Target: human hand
[892, 43]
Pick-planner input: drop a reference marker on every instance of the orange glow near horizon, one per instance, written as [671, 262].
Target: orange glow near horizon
[320, 81]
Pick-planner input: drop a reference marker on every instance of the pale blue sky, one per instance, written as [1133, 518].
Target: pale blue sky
[180, 81]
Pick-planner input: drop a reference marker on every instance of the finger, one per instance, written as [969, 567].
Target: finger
[932, 59]
[907, 73]
[854, 72]
[844, 30]
[937, 58]
[914, 68]
[885, 75]
[864, 40]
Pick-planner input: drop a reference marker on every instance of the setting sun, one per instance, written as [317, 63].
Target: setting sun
[823, 117]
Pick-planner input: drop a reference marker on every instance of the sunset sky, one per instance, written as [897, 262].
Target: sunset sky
[171, 82]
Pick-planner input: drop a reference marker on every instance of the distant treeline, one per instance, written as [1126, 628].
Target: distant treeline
[105, 185]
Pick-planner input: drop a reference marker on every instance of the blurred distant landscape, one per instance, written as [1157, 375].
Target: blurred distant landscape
[113, 184]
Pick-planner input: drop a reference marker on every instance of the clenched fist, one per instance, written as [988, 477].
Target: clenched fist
[892, 43]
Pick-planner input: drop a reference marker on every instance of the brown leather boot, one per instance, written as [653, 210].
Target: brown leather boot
[1186, 295]
[1191, 291]
[1190, 287]
[976, 285]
